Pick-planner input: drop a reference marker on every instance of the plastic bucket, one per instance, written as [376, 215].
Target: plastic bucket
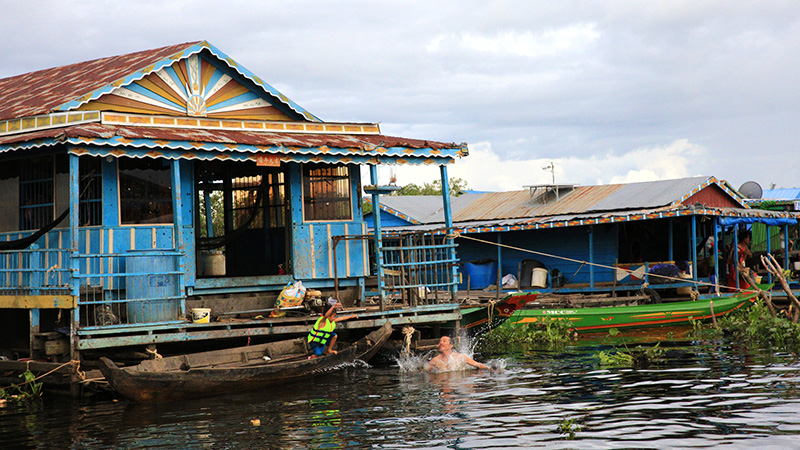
[539, 277]
[201, 315]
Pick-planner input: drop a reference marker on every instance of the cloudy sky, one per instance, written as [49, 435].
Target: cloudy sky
[609, 91]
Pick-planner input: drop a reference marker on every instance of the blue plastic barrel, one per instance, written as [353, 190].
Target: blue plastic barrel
[481, 274]
[152, 283]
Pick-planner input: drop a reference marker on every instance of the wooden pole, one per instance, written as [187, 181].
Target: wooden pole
[774, 269]
[745, 273]
[713, 316]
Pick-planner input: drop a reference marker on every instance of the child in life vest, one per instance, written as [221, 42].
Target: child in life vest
[322, 338]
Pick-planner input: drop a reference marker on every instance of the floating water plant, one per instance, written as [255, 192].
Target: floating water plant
[568, 427]
[28, 389]
[637, 357]
[758, 326]
[512, 337]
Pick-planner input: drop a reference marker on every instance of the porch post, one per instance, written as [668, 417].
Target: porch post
[74, 263]
[448, 223]
[693, 249]
[671, 236]
[785, 229]
[591, 257]
[716, 255]
[376, 228]
[735, 261]
[769, 250]
[177, 219]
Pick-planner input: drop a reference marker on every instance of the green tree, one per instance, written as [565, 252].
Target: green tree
[457, 187]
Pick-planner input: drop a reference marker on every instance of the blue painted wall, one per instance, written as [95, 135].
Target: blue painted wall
[570, 242]
[387, 220]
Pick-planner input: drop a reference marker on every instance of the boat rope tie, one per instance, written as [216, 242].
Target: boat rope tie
[490, 312]
[154, 353]
[76, 363]
[697, 283]
[408, 332]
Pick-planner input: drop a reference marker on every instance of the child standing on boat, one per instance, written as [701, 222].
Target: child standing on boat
[321, 339]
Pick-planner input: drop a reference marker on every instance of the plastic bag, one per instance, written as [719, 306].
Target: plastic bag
[509, 281]
[291, 295]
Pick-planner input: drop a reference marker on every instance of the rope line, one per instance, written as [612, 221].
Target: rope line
[76, 363]
[564, 258]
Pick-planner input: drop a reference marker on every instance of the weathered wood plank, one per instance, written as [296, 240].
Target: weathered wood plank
[38, 301]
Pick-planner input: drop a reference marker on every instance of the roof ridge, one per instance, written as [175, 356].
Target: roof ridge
[107, 58]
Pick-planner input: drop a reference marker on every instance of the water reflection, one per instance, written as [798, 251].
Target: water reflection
[705, 394]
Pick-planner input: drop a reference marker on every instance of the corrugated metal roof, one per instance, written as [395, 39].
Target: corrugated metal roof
[594, 218]
[43, 91]
[648, 194]
[68, 87]
[580, 200]
[780, 194]
[391, 149]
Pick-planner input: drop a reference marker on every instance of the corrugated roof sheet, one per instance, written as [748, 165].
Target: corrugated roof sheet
[599, 217]
[648, 194]
[43, 91]
[580, 200]
[780, 194]
[68, 87]
[244, 141]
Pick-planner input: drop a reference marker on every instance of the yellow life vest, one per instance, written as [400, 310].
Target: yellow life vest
[321, 334]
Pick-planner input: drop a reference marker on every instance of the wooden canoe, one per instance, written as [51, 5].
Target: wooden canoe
[601, 318]
[233, 370]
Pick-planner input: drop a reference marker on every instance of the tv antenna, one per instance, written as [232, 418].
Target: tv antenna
[552, 168]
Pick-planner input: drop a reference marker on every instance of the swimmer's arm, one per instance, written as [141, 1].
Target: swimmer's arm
[474, 363]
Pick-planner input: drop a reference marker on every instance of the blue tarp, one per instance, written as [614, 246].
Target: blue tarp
[771, 221]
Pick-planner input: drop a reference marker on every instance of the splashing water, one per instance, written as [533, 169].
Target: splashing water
[463, 344]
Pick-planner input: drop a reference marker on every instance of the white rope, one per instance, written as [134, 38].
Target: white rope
[564, 258]
[408, 333]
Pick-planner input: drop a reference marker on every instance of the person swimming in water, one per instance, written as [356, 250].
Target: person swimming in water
[448, 359]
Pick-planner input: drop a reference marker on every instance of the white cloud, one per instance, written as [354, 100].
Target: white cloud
[486, 170]
[526, 43]
[607, 89]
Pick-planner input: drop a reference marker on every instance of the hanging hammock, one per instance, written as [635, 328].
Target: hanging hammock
[210, 243]
[25, 242]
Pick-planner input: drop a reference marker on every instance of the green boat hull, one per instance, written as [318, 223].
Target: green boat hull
[602, 318]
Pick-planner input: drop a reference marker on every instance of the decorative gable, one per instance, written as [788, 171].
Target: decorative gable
[713, 196]
[195, 86]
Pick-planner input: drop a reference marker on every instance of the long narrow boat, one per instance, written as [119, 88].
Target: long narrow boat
[239, 369]
[600, 318]
[481, 318]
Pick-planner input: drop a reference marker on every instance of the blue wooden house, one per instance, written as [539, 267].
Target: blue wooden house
[135, 188]
[591, 239]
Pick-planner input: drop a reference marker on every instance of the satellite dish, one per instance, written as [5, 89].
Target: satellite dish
[751, 189]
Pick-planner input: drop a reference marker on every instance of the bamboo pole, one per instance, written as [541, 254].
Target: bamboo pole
[713, 316]
[745, 273]
[774, 268]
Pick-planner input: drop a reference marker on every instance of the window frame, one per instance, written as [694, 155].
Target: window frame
[121, 201]
[27, 166]
[308, 198]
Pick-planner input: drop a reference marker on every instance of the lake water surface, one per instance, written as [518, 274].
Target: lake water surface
[705, 394]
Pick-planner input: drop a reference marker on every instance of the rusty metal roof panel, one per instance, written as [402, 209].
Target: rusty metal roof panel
[45, 90]
[66, 88]
[649, 194]
[579, 200]
[386, 148]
